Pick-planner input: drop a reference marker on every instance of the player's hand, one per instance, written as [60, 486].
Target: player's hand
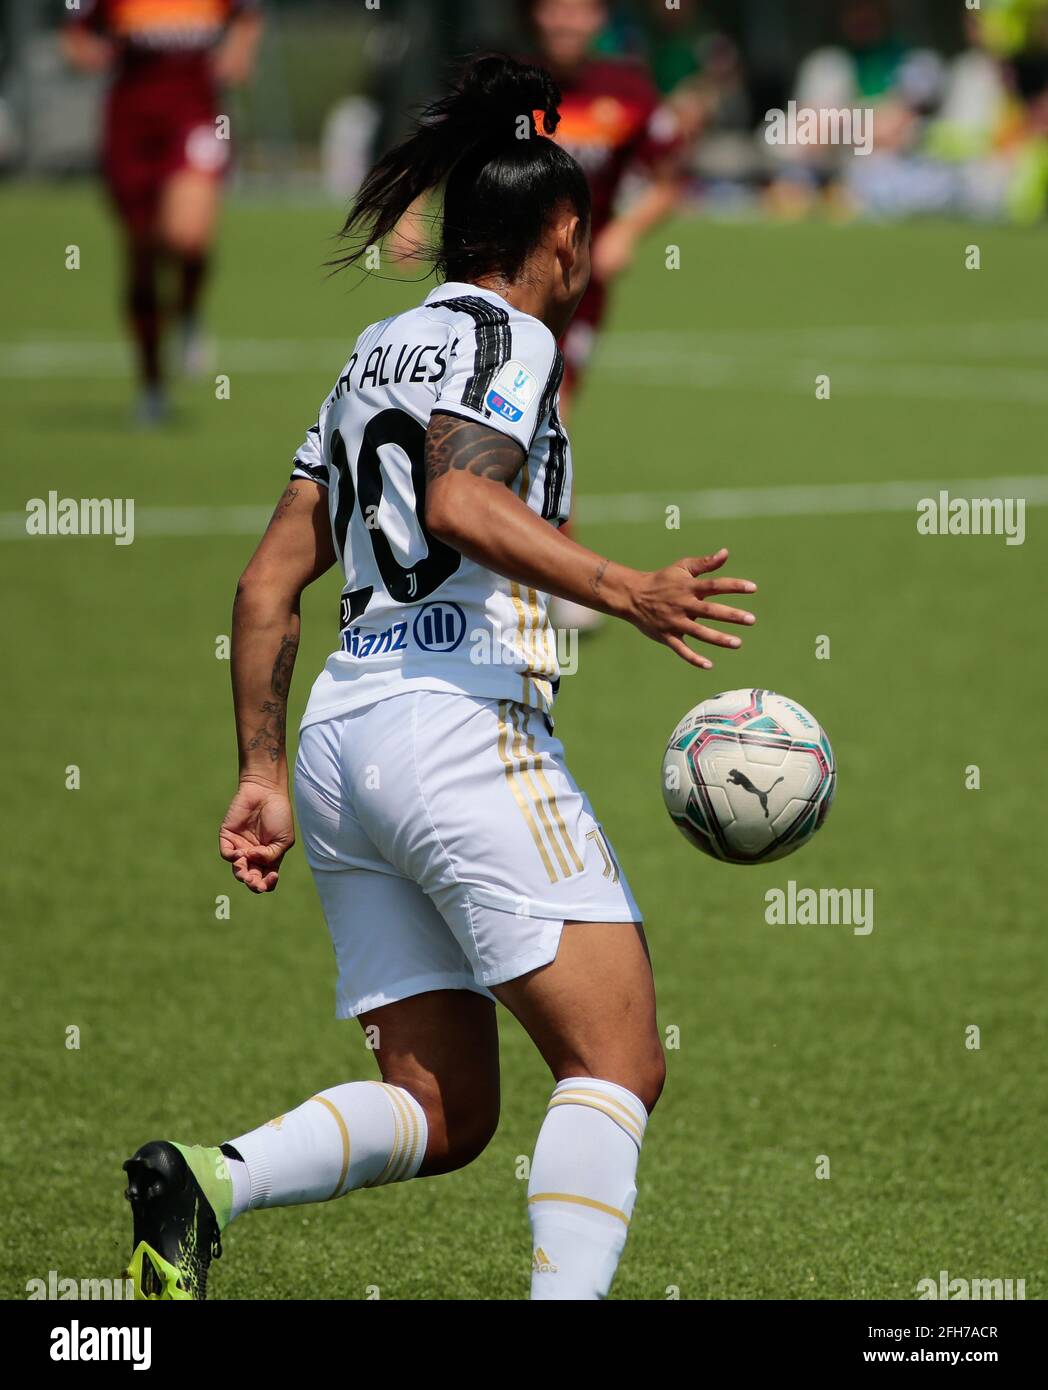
[613, 251]
[89, 52]
[230, 65]
[669, 605]
[257, 832]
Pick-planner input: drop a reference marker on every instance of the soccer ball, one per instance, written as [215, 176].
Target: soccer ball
[748, 776]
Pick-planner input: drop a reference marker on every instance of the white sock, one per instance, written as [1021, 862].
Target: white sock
[362, 1134]
[581, 1193]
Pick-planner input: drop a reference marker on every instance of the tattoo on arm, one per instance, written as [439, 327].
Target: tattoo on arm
[452, 442]
[284, 505]
[284, 667]
[595, 579]
[271, 735]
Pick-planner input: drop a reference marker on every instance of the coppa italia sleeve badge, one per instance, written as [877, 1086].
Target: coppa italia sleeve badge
[511, 392]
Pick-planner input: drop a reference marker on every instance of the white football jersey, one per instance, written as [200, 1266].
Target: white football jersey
[415, 614]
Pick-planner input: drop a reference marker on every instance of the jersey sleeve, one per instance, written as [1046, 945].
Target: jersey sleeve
[504, 374]
[309, 458]
[660, 141]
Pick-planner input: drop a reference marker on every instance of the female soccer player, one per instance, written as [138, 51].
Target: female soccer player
[456, 859]
[163, 154]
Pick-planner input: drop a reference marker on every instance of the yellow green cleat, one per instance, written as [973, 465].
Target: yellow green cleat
[181, 1200]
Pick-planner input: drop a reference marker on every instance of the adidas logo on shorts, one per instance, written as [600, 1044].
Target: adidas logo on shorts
[541, 1264]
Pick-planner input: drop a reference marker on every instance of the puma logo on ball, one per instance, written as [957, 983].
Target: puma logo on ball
[741, 780]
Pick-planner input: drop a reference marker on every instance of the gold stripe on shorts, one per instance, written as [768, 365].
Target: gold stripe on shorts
[514, 786]
[552, 799]
[521, 750]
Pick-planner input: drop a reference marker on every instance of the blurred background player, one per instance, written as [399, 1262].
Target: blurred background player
[163, 156]
[613, 121]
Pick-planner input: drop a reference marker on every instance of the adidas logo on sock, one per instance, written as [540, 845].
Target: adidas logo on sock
[541, 1264]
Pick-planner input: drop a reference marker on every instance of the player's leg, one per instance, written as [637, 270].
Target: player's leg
[133, 183]
[434, 1110]
[142, 303]
[187, 216]
[591, 1013]
[442, 1048]
[402, 973]
[520, 854]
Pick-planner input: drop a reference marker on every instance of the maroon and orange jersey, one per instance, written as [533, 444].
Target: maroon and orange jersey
[160, 26]
[612, 118]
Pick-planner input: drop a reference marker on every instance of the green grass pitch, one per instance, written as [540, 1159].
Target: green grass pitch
[794, 1042]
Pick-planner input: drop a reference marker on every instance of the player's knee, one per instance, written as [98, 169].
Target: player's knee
[188, 241]
[460, 1119]
[141, 299]
[652, 1077]
[141, 287]
[642, 1072]
[465, 1137]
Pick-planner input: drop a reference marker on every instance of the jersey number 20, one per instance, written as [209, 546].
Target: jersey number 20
[440, 562]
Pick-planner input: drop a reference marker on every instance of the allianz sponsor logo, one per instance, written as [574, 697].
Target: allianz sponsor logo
[440, 628]
[436, 628]
[975, 1290]
[79, 1343]
[362, 645]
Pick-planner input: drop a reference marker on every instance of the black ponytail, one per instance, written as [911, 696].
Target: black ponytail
[502, 179]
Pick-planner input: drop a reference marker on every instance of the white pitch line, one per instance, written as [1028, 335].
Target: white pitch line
[814, 499]
[712, 504]
[917, 381]
[703, 355]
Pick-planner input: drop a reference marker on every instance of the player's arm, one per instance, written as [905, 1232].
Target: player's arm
[86, 49]
[470, 506]
[614, 248]
[296, 549]
[234, 59]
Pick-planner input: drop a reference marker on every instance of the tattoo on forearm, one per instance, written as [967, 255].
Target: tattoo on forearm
[455, 443]
[596, 579]
[284, 505]
[284, 667]
[271, 735]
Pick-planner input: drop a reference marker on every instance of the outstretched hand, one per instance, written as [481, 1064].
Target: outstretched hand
[667, 604]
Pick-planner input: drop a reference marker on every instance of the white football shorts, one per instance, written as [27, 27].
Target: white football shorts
[449, 844]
